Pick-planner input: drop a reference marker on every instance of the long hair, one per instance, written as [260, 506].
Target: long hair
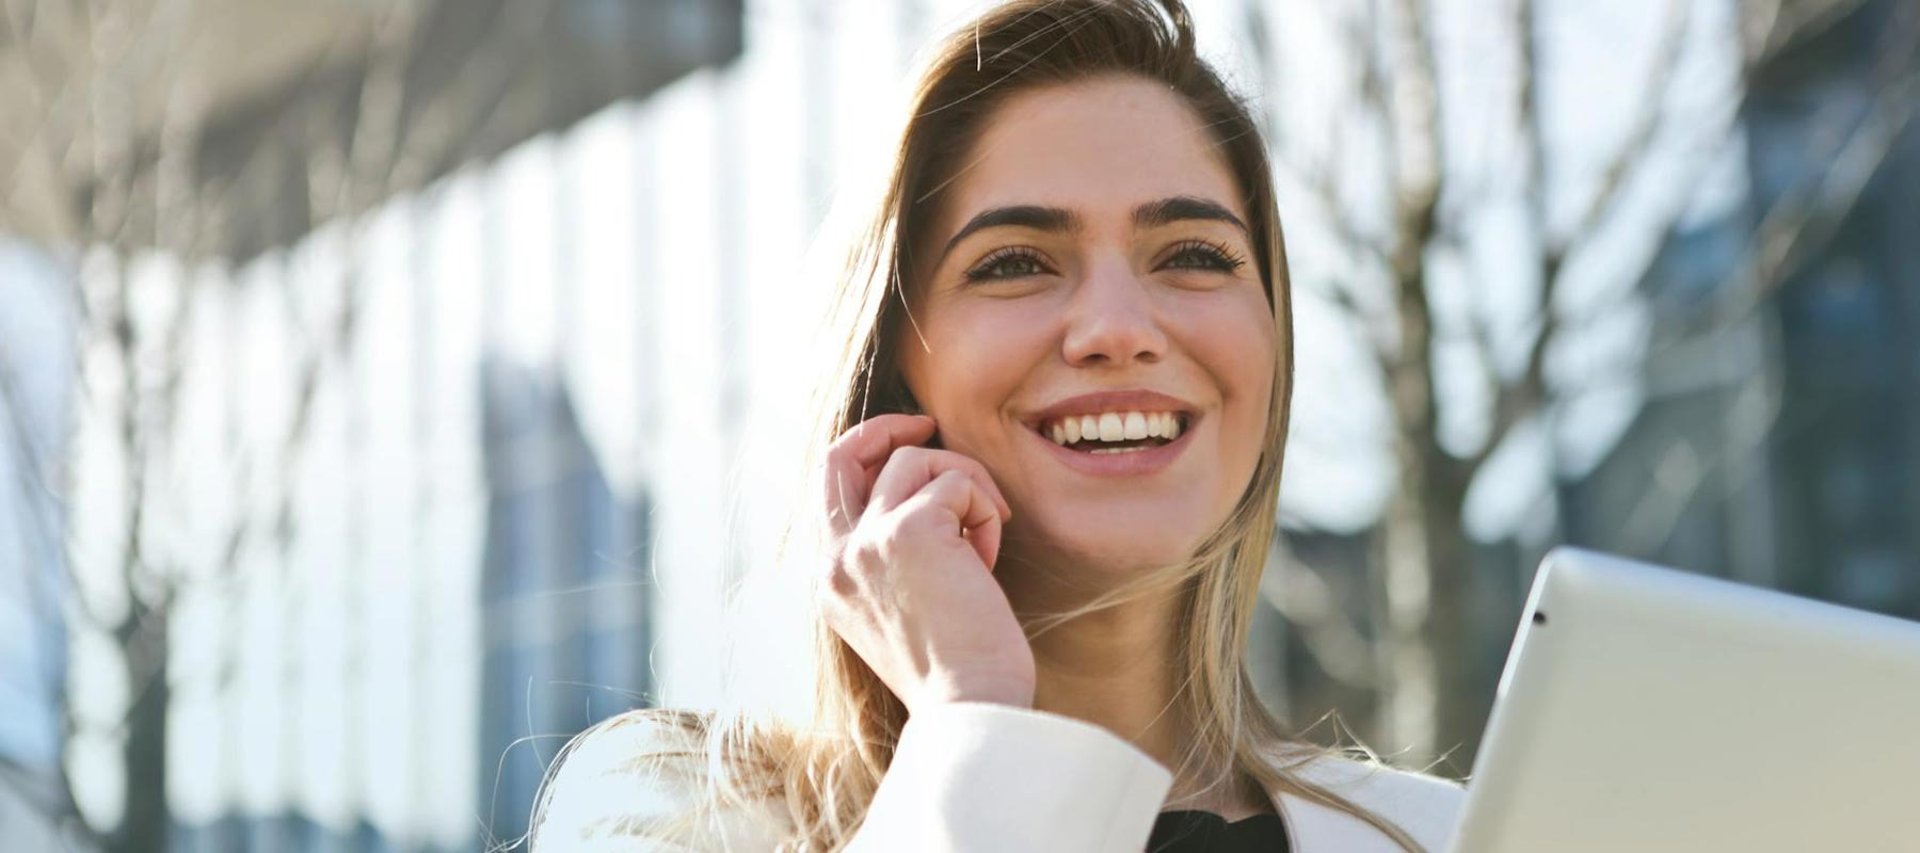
[814, 782]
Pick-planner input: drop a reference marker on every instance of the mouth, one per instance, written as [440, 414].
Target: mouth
[1119, 433]
[1115, 432]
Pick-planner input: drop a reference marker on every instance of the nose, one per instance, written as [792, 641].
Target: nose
[1111, 320]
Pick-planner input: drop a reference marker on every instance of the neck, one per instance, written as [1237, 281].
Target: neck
[1117, 668]
[1112, 668]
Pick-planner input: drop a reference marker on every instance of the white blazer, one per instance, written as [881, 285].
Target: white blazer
[984, 777]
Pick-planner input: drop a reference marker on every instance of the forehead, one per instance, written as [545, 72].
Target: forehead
[1098, 147]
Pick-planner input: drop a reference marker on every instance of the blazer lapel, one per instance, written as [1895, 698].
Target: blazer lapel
[1314, 828]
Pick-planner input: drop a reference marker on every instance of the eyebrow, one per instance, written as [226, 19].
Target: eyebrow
[1181, 207]
[1153, 214]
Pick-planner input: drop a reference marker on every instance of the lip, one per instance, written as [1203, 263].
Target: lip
[1138, 400]
[1134, 464]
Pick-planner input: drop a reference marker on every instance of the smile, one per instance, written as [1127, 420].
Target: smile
[1114, 432]
[1092, 455]
[1119, 433]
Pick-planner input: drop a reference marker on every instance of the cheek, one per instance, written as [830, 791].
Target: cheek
[1237, 348]
[1235, 341]
[966, 361]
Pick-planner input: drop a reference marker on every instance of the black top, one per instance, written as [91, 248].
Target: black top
[1187, 831]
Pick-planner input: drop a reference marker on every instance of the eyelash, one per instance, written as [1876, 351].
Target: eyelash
[983, 271]
[1213, 256]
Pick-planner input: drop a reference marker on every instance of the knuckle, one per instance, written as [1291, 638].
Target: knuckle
[836, 584]
[865, 547]
[967, 463]
[927, 519]
[836, 455]
[952, 458]
[860, 564]
[909, 454]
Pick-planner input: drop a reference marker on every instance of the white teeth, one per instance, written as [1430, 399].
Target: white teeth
[1107, 450]
[1113, 426]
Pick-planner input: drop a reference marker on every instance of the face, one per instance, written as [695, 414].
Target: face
[1091, 325]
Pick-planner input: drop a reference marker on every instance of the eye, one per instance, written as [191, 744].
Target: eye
[1203, 255]
[1009, 263]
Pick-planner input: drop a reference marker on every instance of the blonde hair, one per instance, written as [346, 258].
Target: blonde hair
[818, 780]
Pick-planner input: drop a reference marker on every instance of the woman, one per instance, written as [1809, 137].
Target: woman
[1054, 451]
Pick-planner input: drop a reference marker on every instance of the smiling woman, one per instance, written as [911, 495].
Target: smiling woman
[1100, 279]
[1053, 446]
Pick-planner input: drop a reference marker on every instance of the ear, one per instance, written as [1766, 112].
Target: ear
[911, 405]
[900, 397]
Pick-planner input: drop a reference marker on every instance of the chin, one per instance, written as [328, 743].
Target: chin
[1122, 545]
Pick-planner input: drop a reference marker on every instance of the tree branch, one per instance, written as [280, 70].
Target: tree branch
[1681, 473]
[1514, 401]
[1639, 140]
[1806, 221]
[1299, 594]
[1417, 173]
[1519, 399]
[1770, 32]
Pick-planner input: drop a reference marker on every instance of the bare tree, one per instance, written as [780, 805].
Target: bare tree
[133, 134]
[1425, 663]
[115, 182]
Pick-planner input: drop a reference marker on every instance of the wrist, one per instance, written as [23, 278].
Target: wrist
[1015, 694]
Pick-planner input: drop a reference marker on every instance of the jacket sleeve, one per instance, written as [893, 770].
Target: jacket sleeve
[965, 777]
[971, 776]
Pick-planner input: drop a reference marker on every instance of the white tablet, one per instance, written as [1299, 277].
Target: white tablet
[1645, 709]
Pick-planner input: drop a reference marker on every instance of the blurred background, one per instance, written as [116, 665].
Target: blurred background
[377, 377]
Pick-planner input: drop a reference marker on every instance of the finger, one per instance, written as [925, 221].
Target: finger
[846, 498]
[871, 441]
[911, 468]
[986, 540]
[965, 510]
[854, 459]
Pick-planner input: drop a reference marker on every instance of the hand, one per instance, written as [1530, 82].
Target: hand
[914, 535]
